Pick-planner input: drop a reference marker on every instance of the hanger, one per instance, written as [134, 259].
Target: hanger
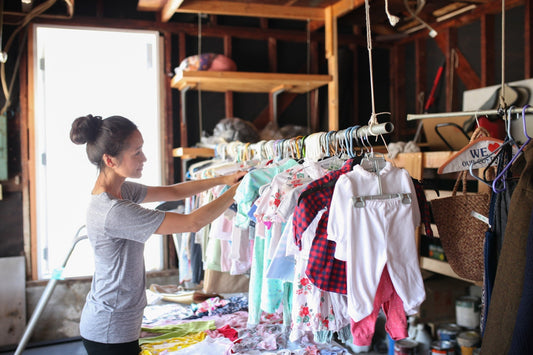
[494, 155]
[348, 142]
[351, 139]
[475, 153]
[327, 148]
[360, 201]
[500, 176]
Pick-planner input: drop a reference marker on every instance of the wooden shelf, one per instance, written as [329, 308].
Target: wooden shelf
[415, 163]
[222, 81]
[440, 267]
[189, 153]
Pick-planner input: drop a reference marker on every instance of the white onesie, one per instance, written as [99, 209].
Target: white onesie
[380, 233]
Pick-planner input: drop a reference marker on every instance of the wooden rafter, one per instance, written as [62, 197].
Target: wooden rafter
[169, 9]
[237, 9]
[464, 70]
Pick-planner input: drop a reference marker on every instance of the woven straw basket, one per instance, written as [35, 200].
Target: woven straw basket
[461, 234]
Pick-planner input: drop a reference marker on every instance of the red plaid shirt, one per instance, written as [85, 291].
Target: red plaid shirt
[324, 271]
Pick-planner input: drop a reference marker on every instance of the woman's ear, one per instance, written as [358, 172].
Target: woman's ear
[109, 161]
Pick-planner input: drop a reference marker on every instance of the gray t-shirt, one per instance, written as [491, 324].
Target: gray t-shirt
[117, 230]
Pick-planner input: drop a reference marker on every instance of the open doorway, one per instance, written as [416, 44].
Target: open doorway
[80, 71]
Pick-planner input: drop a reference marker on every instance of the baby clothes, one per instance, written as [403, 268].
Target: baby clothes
[378, 234]
[314, 310]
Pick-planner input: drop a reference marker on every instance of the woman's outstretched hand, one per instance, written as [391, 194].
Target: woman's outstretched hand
[234, 178]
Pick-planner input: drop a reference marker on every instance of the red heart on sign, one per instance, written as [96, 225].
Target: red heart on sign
[493, 147]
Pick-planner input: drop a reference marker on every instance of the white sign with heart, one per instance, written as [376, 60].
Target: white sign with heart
[479, 154]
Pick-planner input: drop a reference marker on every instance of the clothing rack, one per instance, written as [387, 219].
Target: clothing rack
[411, 117]
[297, 146]
[354, 132]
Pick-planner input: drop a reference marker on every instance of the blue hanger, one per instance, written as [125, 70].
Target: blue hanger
[500, 175]
[348, 141]
[352, 137]
[327, 142]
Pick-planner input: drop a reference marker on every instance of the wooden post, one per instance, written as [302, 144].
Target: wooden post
[228, 95]
[528, 37]
[333, 70]
[487, 50]
[420, 73]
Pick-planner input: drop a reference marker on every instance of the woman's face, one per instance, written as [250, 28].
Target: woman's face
[131, 160]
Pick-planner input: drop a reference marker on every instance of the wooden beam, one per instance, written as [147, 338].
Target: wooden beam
[31, 159]
[315, 25]
[464, 70]
[397, 92]
[272, 55]
[528, 37]
[217, 31]
[342, 7]
[251, 9]
[491, 7]
[182, 50]
[450, 52]
[487, 50]
[355, 80]
[228, 96]
[331, 56]
[221, 81]
[24, 92]
[313, 97]
[168, 131]
[264, 117]
[169, 9]
[420, 74]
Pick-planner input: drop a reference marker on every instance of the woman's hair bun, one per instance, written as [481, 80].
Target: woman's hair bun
[85, 129]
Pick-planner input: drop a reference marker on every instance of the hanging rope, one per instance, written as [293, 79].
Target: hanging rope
[373, 117]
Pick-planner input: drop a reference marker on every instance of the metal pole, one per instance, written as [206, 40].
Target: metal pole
[45, 297]
[375, 130]
[421, 116]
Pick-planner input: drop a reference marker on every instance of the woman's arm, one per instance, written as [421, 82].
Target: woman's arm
[193, 222]
[188, 188]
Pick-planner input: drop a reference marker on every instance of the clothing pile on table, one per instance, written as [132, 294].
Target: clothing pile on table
[218, 326]
[327, 245]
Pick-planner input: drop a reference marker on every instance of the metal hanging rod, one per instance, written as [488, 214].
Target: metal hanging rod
[411, 117]
[375, 130]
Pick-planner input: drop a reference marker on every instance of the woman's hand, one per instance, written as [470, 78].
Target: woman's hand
[234, 178]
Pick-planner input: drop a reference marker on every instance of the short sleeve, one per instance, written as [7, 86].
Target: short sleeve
[133, 191]
[129, 220]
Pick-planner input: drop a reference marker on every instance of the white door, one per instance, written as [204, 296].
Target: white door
[80, 71]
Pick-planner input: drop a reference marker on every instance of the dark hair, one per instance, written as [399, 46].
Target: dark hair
[103, 136]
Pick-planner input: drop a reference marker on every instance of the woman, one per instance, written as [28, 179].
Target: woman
[118, 226]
